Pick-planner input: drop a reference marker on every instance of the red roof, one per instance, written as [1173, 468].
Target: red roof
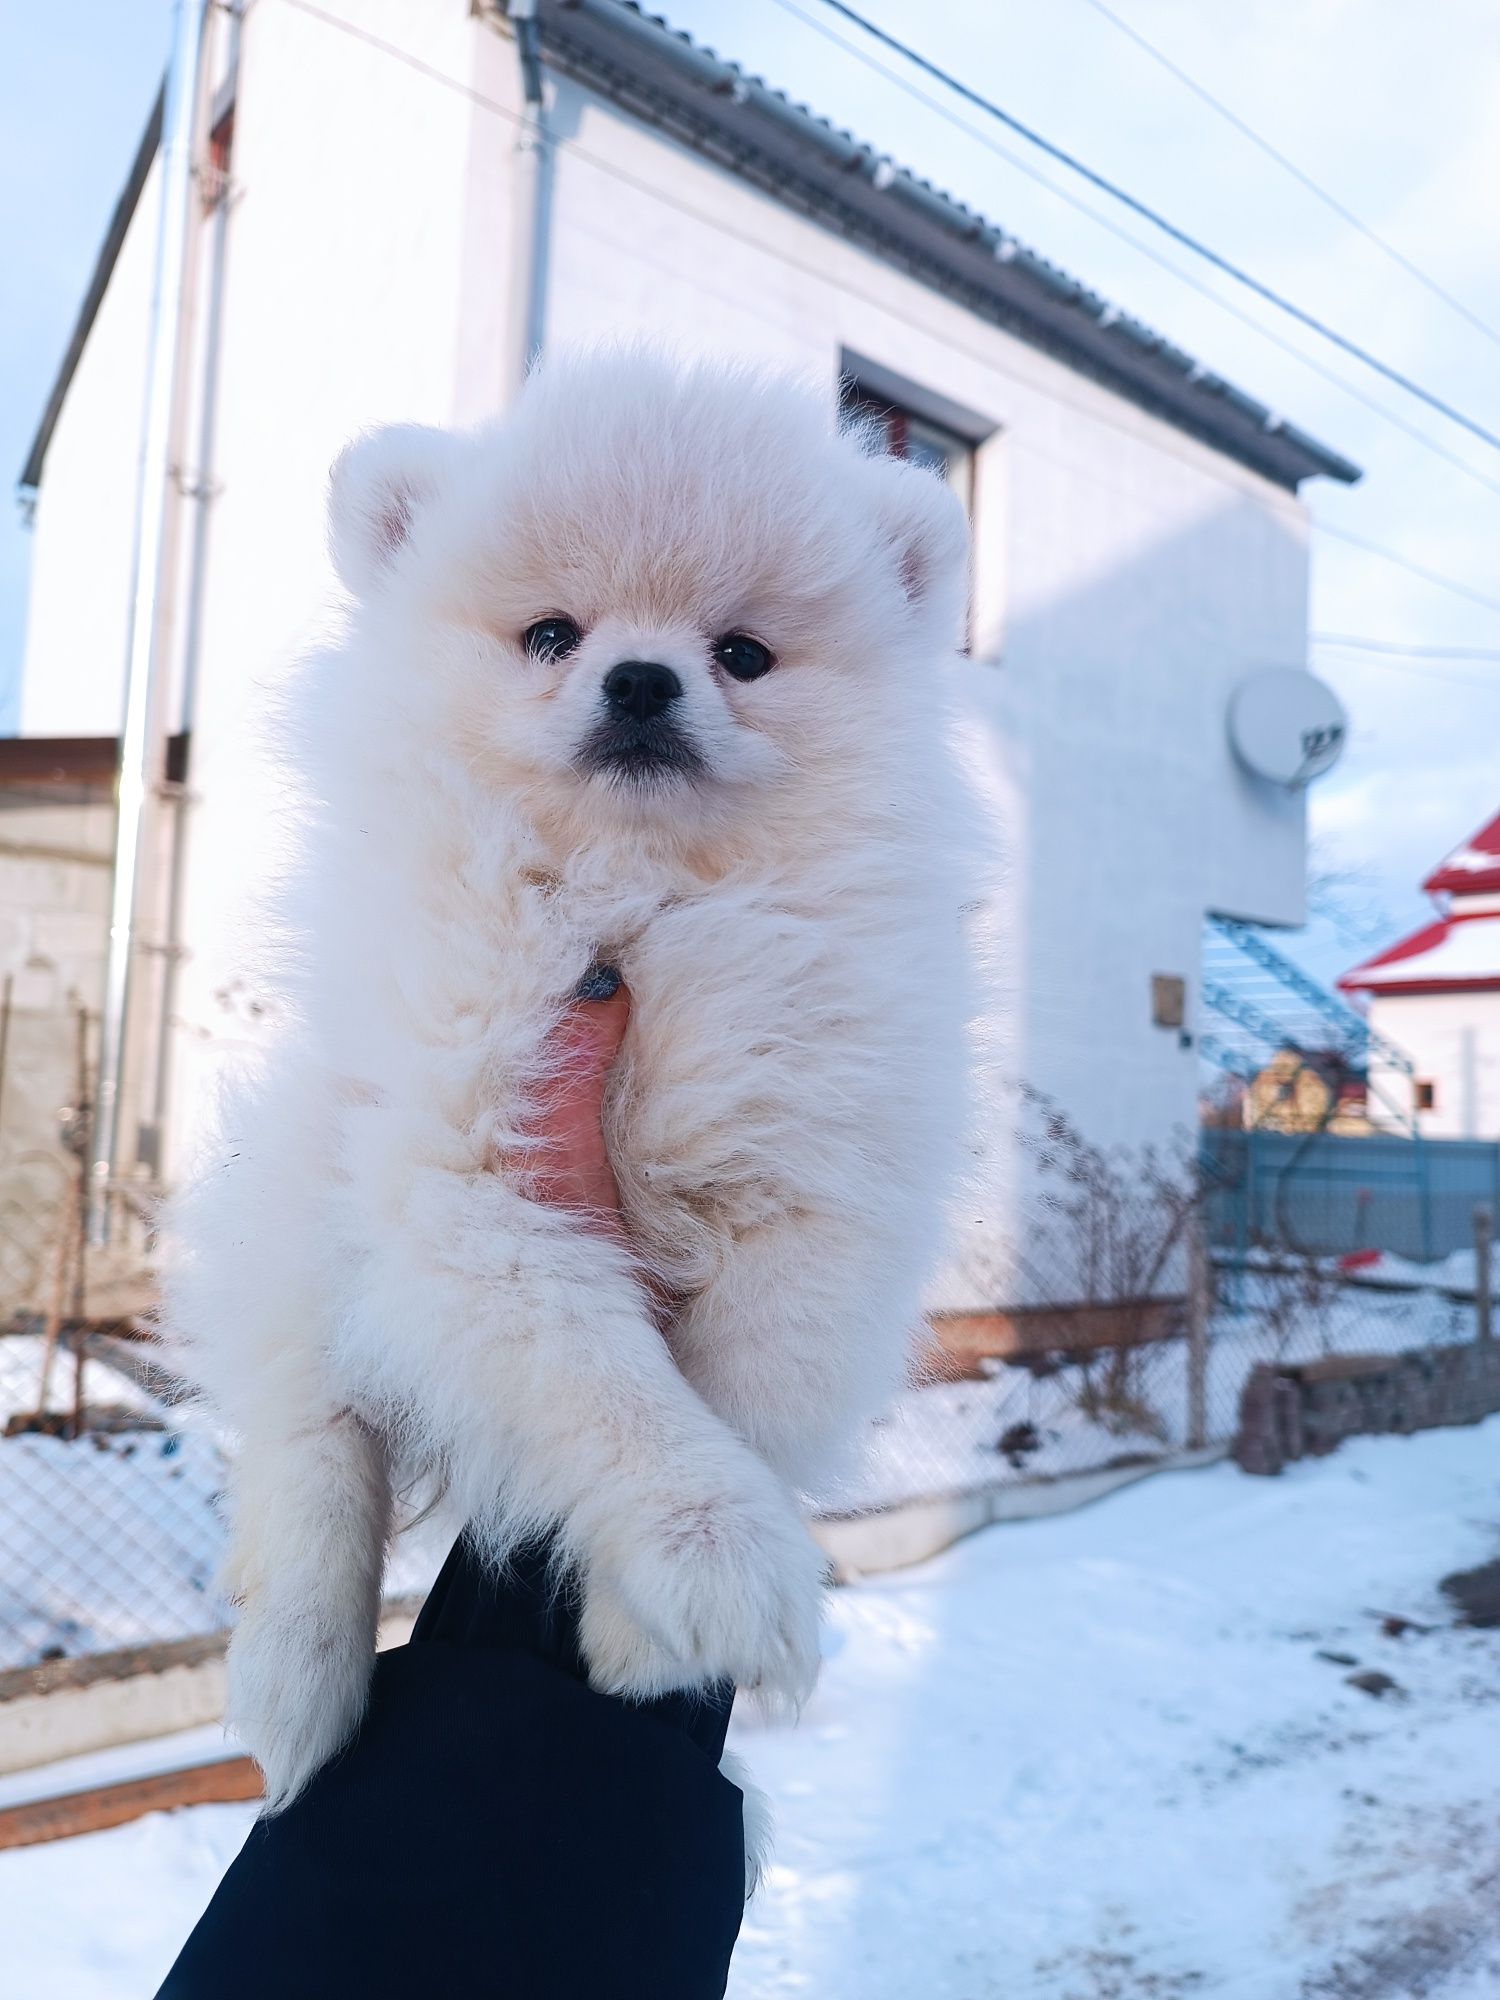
[1472, 869]
[1456, 954]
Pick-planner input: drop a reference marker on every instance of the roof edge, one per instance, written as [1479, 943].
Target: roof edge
[1459, 874]
[653, 71]
[849, 184]
[1380, 976]
[1427, 989]
[88, 312]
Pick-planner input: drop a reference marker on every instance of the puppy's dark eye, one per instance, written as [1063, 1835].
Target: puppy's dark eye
[551, 638]
[746, 658]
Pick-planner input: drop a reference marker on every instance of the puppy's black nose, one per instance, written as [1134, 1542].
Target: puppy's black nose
[640, 688]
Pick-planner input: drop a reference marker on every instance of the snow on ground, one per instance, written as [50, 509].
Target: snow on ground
[1099, 1758]
[1096, 1757]
[1456, 1275]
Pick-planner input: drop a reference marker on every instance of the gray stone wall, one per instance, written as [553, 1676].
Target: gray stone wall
[1295, 1411]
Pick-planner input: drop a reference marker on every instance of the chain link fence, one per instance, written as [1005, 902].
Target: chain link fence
[1063, 1409]
[112, 1533]
[110, 1537]
[1119, 1324]
[1115, 1336]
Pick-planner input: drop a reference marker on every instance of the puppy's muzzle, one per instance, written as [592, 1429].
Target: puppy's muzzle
[638, 736]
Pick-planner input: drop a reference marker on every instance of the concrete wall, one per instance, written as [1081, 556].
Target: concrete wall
[1454, 1041]
[1127, 576]
[55, 848]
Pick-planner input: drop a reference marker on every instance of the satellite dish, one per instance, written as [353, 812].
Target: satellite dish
[1287, 726]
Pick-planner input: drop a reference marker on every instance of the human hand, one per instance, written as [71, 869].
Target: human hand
[569, 1165]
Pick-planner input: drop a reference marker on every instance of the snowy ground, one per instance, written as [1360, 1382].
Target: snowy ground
[1091, 1758]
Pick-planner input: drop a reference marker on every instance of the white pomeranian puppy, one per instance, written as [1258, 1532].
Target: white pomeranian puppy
[650, 674]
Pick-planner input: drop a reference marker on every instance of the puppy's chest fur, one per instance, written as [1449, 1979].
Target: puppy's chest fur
[746, 1069]
[741, 1065]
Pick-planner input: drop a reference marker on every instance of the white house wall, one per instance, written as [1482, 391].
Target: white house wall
[343, 295]
[1453, 1040]
[1127, 576]
[1127, 579]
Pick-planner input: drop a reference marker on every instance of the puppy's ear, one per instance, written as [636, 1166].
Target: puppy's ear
[926, 530]
[379, 486]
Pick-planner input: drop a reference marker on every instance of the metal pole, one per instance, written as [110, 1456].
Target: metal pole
[1199, 1301]
[1484, 1304]
[5, 1005]
[532, 196]
[203, 494]
[80, 1221]
[141, 735]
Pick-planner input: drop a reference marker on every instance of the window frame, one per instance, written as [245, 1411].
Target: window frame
[900, 426]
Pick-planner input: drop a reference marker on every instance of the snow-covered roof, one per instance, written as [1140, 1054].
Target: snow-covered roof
[1456, 954]
[1472, 869]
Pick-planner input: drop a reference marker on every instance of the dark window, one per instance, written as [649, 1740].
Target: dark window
[1426, 1096]
[906, 435]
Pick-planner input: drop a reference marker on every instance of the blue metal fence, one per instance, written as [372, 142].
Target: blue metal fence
[1325, 1195]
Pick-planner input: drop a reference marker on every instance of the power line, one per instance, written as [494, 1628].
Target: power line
[1407, 649]
[1405, 562]
[1159, 221]
[814, 269]
[1115, 229]
[1248, 131]
[1414, 661]
[1479, 683]
[805, 267]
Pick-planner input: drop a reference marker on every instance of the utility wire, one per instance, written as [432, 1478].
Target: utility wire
[1405, 562]
[1413, 661]
[1144, 249]
[805, 267]
[1478, 683]
[1159, 221]
[1405, 649]
[1248, 131]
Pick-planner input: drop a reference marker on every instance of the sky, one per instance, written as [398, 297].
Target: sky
[1388, 107]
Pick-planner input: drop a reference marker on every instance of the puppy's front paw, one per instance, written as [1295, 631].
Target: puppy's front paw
[622, 1656]
[728, 1585]
[297, 1688]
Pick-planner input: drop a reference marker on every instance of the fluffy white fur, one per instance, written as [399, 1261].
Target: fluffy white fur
[362, 1286]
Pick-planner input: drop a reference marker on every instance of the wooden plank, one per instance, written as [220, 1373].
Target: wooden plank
[962, 1340]
[49, 1676]
[228, 1781]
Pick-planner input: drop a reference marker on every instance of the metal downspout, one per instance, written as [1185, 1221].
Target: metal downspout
[533, 170]
[141, 735]
[202, 493]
